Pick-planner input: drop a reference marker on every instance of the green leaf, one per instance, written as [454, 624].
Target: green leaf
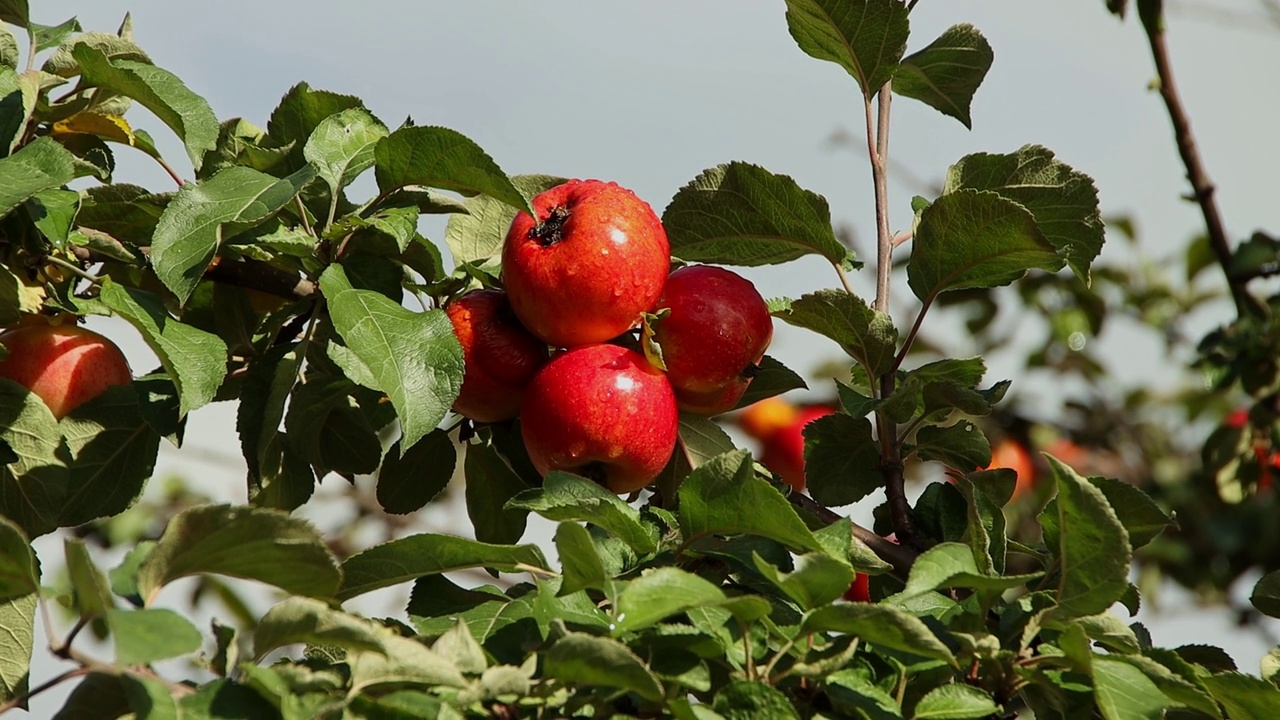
[841, 460]
[48, 36]
[865, 37]
[864, 334]
[852, 692]
[491, 483]
[1266, 594]
[583, 659]
[195, 360]
[581, 567]
[341, 146]
[299, 620]
[962, 445]
[112, 455]
[90, 592]
[145, 636]
[703, 438]
[159, 91]
[565, 497]
[410, 480]
[1141, 516]
[1092, 547]
[14, 12]
[1123, 692]
[667, 591]
[299, 113]
[127, 213]
[327, 429]
[879, 625]
[223, 699]
[724, 497]
[955, 702]
[747, 700]
[477, 235]
[1243, 696]
[98, 695]
[951, 565]
[63, 64]
[245, 542]
[402, 662]
[772, 378]
[9, 52]
[840, 543]
[947, 73]
[52, 212]
[412, 557]
[742, 214]
[413, 357]
[459, 647]
[32, 487]
[19, 573]
[1063, 200]
[442, 158]
[817, 580]
[40, 165]
[204, 214]
[124, 577]
[972, 239]
[18, 618]
[278, 476]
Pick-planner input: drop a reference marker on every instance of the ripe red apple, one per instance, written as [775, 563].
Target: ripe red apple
[779, 426]
[603, 412]
[1009, 453]
[65, 365]
[500, 356]
[713, 338]
[595, 258]
[860, 590]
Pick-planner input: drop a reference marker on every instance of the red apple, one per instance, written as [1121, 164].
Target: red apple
[65, 365]
[500, 356]
[713, 338]
[860, 590]
[595, 258]
[1009, 453]
[601, 411]
[779, 426]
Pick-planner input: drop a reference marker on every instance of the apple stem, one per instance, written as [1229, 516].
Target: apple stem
[551, 231]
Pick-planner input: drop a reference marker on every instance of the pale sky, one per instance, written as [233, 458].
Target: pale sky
[650, 94]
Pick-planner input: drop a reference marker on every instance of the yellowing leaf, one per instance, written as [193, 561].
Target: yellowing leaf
[107, 127]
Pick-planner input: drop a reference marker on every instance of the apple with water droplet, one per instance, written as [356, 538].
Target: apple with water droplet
[713, 337]
[594, 258]
[603, 412]
[499, 354]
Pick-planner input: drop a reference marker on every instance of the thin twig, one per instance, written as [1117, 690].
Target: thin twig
[898, 556]
[844, 278]
[1202, 187]
[884, 262]
[21, 700]
[911, 336]
[169, 169]
[73, 268]
[302, 215]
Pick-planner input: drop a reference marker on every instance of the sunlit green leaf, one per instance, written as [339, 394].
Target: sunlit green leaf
[742, 214]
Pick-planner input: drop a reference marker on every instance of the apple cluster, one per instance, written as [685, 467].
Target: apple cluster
[558, 347]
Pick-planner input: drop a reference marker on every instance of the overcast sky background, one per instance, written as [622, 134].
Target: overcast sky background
[650, 94]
